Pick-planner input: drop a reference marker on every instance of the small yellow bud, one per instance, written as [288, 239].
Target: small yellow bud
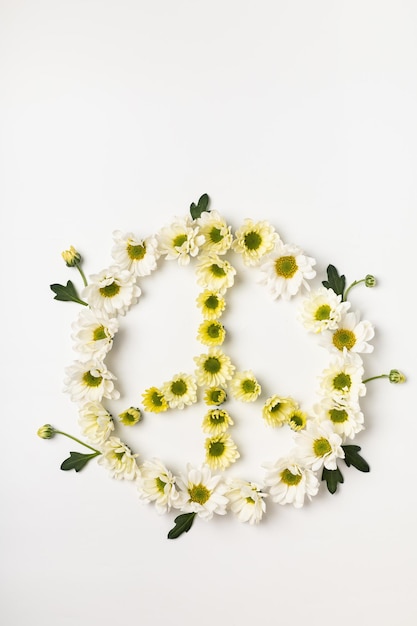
[370, 281]
[46, 432]
[130, 417]
[215, 396]
[71, 257]
[396, 377]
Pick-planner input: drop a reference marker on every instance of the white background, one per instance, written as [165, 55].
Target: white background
[119, 115]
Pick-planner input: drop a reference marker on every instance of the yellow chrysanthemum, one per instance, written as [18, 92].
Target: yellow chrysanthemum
[221, 451]
[131, 416]
[154, 400]
[254, 240]
[211, 333]
[211, 303]
[218, 235]
[245, 387]
[215, 273]
[214, 368]
[277, 410]
[180, 391]
[215, 396]
[216, 422]
[297, 420]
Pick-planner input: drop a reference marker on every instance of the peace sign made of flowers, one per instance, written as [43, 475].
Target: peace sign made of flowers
[322, 436]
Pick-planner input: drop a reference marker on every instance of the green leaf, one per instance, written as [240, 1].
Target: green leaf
[183, 524]
[353, 458]
[334, 281]
[202, 205]
[76, 461]
[332, 478]
[66, 293]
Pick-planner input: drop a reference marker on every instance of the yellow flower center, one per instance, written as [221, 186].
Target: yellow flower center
[179, 387]
[109, 291]
[136, 252]
[252, 240]
[289, 478]
[99, 333]
[91, 381]
[321, 446]
[342, 382]
[199, 493]
[323, 313]
[286, 266]
[179, 240]
[344, 338]
[212, 365]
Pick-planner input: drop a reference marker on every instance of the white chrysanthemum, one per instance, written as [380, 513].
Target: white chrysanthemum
[113, 291]
[93, 334]
[157, 484]
[351, 334]
[245, 387]
[180, 241]
[246, 500]
[180, 391]
[254, 240]
[319, 445]
[89, 381]
[214, 273]
[286, 271]
[135, 254]
[322, 310]
[213, 368]
[95, 422]
[342, 379]
[202, 493]
[290, 482]
[217, 234]
[119, 460]
[347, 418]
[221, 451]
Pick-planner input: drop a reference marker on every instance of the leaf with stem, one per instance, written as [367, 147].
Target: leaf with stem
[183, 524]
[335, 281]
[67, 293]
[76, 461]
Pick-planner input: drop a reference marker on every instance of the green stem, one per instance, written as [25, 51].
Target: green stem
[60, 432]
[355, 282]
[82, 275]
[375, 377]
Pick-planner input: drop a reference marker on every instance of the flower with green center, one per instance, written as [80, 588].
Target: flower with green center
[211, 333]
[119, 460]
[277, 410]
[46, 432]
[211, 303]
[134, 253]
[214, 396]
[322, 310]
[396, 377]
[319, 445]
[221, 451]
[157, 484]
[245, 387]
[202, 493]
[180, 391]
[215, 273]
[71, 257]
[246, 500]
[254, 240]
[90, 381]
[154, 400]
[290, 482]
[347, 418]
[286, 271]
[213, 368]
[131, 416]
[111, 292]
[95, 422]
[297, 420]
[93, 333]
[217, 234]
[180, 241]
[216, 422]
[351, 335]
[342, 379]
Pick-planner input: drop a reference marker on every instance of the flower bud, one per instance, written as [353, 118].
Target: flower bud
[131, 416]
[46, 432]
[71, 257]
[396, 377]
[370, 281]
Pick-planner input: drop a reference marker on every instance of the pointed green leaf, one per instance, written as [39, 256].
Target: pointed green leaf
[183, 524]
[66, 293]
[332, 478]
[202, 205]
[76, 461]
[353, 458]
[334, 281]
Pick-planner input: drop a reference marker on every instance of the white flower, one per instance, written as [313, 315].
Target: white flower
[287, 270]
[202, 493]
[351, 334]
[321, 310]
[342, 379]
[93, 334]
[319, 445]
[157, 484]
[245, 387]
[217, 234]
[119, 460]
[180, 391]
[246, 500]
[290, 482]
[180, 241]
[135, 254]
[254, 240]
[347, 418]
[214, 273]
[95, 422]
[89, 381]
[112, 291]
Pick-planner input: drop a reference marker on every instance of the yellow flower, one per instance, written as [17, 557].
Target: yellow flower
[216, 422]
[221, 451]
[130, 417]
[245, 387]
[211, 333]
[214, 368]
[277, 410]
[254, 240]
[211, 303]
[215, 396]
[154, 400]
[297, 420]
[71, 257]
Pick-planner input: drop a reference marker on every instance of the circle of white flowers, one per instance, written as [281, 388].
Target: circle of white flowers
[321, 435]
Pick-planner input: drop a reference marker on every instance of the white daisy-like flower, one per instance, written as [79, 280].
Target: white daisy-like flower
[342, 379]
[89, 381]
[215, 273]
[217, 234]
[351, 334]
[202, 493]
[112, 292]
[254, 240]
[180, 391]
[290, 482]
[246, 500]
[213, 368]
[95, 422]
[157, 484]
[286, 271]
[119, 460]
[180, 241]
[221, 451]
[245, 387]
[93, 334]
[322, 310]
[319, 445]
[347, 418]
[135, 254]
